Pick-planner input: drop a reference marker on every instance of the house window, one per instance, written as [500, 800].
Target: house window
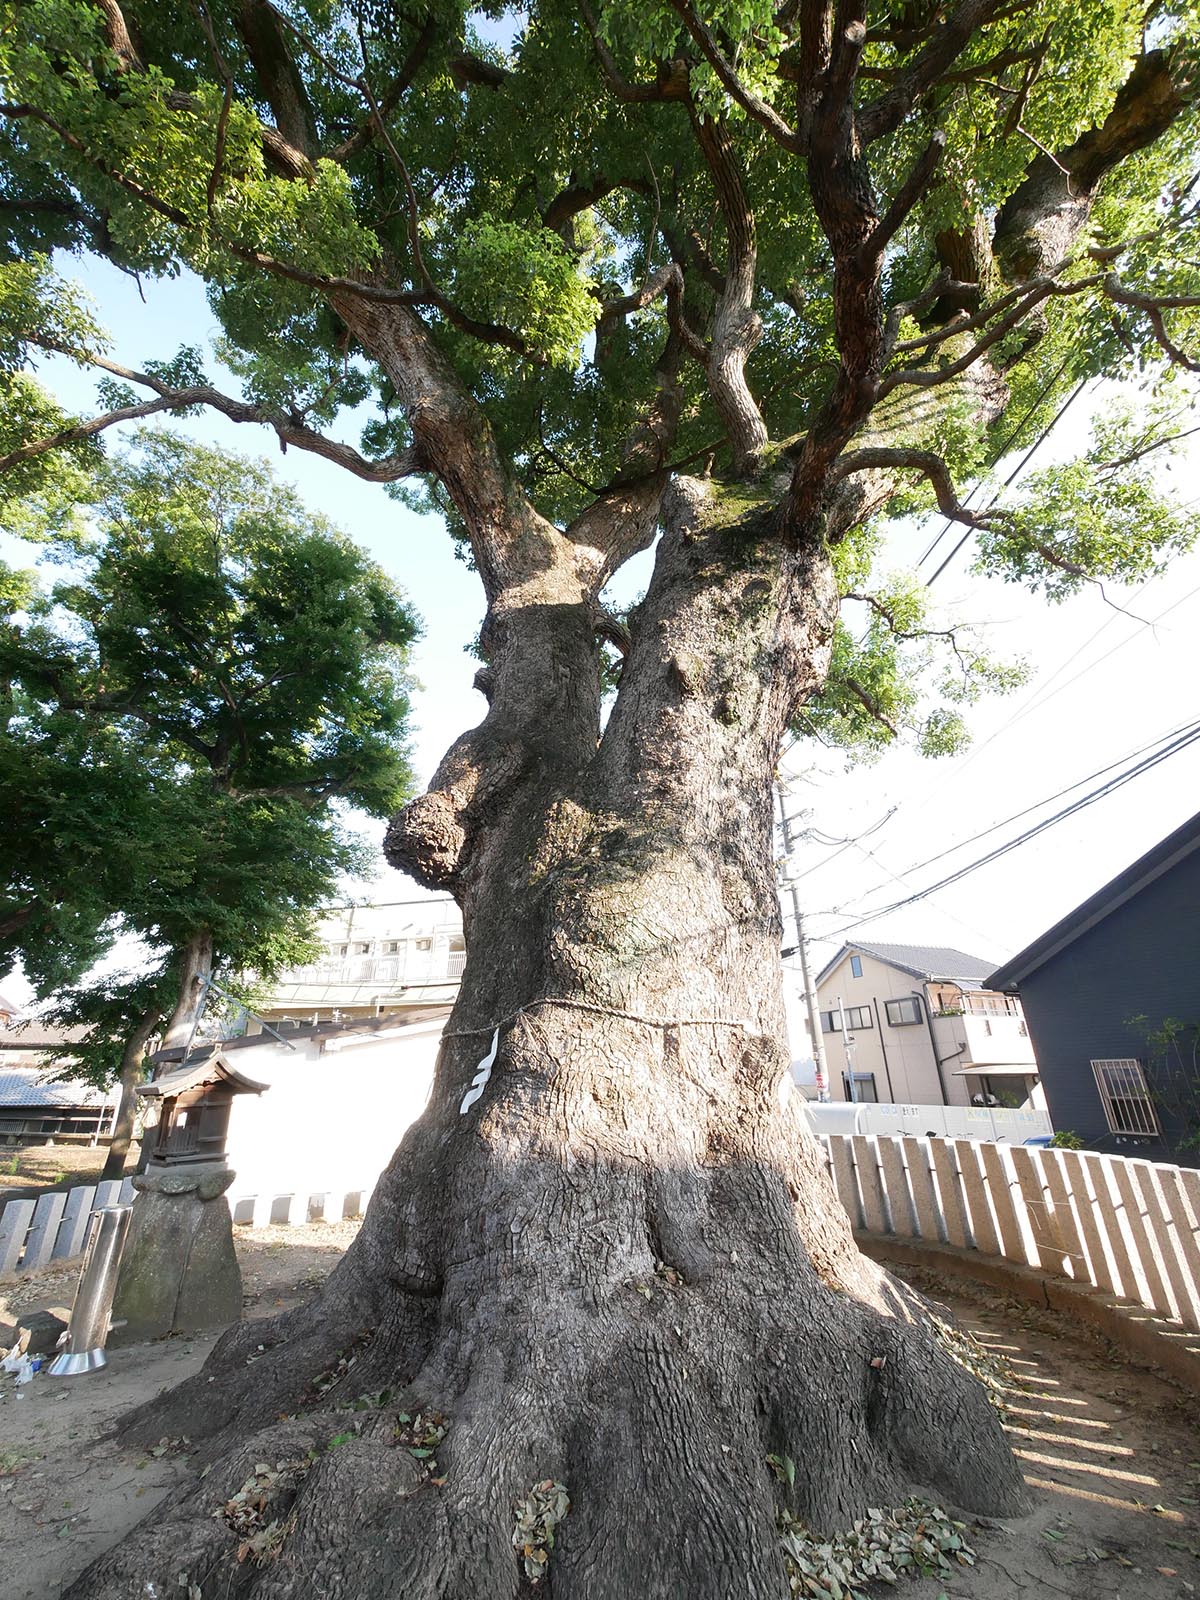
[391, 947]
[343, 949]
[856, 966]
[362, 949]
[903, 1013]
[864, 1088]
[856, 1017]
[423, 944]
[1123, 1094]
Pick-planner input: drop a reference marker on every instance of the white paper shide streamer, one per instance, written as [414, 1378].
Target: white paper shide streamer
[482, 1073]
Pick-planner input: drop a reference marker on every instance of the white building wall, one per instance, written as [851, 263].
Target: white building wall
[374, 958]
[901, 1057]
[335, 1110]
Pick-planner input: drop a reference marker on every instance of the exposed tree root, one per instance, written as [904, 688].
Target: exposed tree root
[658, 1405]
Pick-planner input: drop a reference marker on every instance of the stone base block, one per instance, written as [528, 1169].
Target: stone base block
[179, 1273]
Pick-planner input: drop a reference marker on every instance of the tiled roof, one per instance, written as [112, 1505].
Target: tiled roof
[26, 1086]
[34, 1034]
[920, 960]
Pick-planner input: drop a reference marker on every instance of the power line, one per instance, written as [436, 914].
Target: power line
[1010, 440]
[1040, 698]
[1182, 743]
[1019, 468]
[1050, 798]
[1129, 755]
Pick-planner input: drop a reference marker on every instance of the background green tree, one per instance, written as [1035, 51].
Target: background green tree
[743, 278]
[215, 675]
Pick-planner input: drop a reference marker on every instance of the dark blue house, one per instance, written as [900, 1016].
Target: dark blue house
[1112, 998]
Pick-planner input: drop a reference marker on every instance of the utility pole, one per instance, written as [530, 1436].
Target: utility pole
[821, 1070]
[848, 1047]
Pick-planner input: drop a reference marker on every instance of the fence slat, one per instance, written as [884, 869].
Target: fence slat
[1065, 1225]
[870, 1187]
[843, 1176]
[108, 1193]
[1151, 1291]
[1144, 1175]
[1000, 1186]
[925, 1201]
[44, 1231]
[74, 1223]
[975, 1187]
[1051, 1255]
[14, 1225]
[1112, 1209]
[1079, 1184]
[1187, 1236]
[895, 1181]
[1126, 1227]
[945, 1165]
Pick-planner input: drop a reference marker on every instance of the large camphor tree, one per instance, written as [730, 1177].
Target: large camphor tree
[746, 279]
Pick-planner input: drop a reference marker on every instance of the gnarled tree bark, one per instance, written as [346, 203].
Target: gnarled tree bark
[621, 1267]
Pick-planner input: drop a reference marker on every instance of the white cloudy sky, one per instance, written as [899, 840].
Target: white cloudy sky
[1104, 685]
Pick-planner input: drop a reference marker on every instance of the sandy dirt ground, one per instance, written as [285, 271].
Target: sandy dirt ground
[36, 1169]
[66, 1494]
[1111, 1451]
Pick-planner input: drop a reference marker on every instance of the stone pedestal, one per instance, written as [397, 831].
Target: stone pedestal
[179, 1273]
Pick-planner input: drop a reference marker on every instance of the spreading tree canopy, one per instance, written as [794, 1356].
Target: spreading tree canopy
[745, 277]
[213, 671]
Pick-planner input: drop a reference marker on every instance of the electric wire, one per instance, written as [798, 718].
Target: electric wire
[1019, 468]
[1009, 441]
[1146, 765]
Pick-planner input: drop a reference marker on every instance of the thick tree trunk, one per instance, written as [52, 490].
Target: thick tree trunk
[195, 968]
[620, 1267]
[131, 1071]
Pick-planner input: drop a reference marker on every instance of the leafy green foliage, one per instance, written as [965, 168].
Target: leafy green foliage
[214, 671]
[1104, 515]
[901, 675]
[166, 167]
[528, 281]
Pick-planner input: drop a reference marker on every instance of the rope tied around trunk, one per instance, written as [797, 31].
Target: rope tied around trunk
[484, 1070]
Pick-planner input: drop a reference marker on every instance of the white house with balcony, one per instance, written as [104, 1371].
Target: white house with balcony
[376, 961]
[913, 1024]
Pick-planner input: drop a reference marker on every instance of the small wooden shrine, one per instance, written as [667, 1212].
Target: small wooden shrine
[196, 1100]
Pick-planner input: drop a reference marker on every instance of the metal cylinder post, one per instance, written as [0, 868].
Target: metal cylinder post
[88, 1329]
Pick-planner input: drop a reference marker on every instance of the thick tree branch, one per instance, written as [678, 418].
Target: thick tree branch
[926, 462]
[391, 96]
[672, 83]
[737, 327]
[666, 280]
[262, 32]
[14, 921]
[869, 704]
[1152, 307]
[1041, 220]
[751, 104]
[909, 195]
[287, 430]
[947, 42]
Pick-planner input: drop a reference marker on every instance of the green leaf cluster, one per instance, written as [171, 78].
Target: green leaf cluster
[187, 709]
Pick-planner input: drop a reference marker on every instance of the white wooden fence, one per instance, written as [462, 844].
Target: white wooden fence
[1129, 1228]
[54, 1227]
